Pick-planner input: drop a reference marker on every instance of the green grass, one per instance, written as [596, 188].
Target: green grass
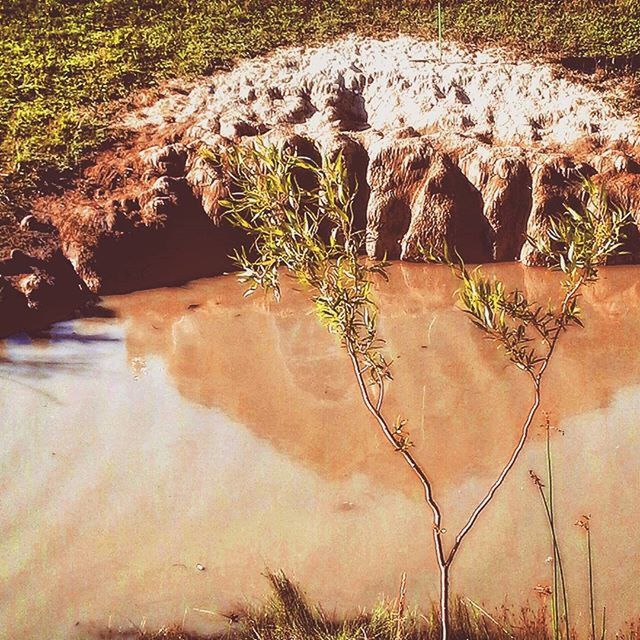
[287, 615]
[64, 62]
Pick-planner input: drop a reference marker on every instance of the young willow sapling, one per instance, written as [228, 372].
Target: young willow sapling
[307, 232]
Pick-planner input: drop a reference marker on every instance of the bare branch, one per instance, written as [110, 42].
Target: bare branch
[409, 459]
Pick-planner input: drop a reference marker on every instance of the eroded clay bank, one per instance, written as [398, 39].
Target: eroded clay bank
[468, 147]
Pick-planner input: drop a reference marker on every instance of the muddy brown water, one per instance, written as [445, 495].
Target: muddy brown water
[199, 428]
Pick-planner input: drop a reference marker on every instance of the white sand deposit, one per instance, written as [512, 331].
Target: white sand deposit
[367, 84]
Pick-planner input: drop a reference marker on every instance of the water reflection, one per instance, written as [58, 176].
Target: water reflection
[228, 432]
[274, 369]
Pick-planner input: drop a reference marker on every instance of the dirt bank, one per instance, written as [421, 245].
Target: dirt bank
[472, 148]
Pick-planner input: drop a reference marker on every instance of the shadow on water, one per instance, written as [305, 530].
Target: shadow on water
[40, 355]
[64, 332]
[25, 371]
[98, 311]
[38, 369]
[30, 387]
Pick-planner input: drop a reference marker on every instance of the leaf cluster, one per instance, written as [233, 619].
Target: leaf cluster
[507, 317]
[299, 216]
[581, 240]
[577, 243]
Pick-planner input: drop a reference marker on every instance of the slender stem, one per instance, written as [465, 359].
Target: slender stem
[557, 560]
[402, 594]
[374, 410]
[444, 600]
[591, 595]
[415, 467]
[572, 293]
[556, 549]
[554, 610]
[440, 29]
[554, 596]
[380, 397]
[502, 476]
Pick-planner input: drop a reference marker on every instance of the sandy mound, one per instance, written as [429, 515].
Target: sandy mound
[384, 85]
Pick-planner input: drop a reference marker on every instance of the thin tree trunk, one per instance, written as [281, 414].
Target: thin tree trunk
[374, 409]
[445, 618]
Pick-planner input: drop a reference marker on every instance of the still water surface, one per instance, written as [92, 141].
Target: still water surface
[198, 428]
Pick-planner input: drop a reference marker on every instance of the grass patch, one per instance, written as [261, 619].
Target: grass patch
[287, 615]
[64, 62]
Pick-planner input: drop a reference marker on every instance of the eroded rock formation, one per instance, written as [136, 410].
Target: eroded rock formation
[420, 199]
[470, 151]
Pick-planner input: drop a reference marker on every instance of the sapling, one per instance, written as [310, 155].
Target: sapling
[307, 233]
